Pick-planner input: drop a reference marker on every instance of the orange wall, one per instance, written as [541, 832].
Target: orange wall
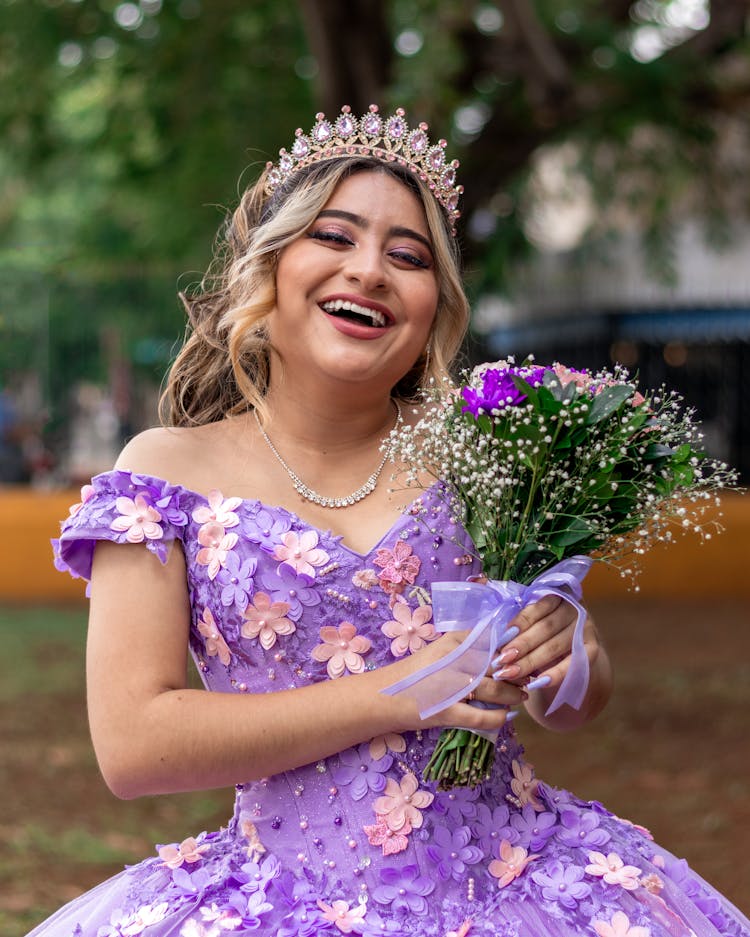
[28, 519]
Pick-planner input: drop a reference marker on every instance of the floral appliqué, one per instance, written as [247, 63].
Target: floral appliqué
[403, 802]
[174, 855]
[510, 864]
[213, 639]
[138, 518]
[301, 552]
[409, 630]
[524, 785]
[342, 649]
[612, 870]
[220, 510]
[399, 565]
[390, 841]
[342, 916]
[266, 620]
[216, 544]
[619, 926]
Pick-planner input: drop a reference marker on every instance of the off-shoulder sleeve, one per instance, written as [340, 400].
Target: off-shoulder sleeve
[121, 507]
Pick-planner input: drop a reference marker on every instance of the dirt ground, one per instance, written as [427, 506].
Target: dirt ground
[671, 751]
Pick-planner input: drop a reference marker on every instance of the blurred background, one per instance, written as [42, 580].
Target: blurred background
[606, 218]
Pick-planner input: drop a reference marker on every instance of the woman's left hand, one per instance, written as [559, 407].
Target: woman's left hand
[539, 657]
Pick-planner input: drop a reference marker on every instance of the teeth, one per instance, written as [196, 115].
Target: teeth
[343, 305]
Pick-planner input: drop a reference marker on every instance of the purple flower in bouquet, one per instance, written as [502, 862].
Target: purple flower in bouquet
[498, 389]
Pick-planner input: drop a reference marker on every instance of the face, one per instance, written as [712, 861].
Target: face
[356, 294]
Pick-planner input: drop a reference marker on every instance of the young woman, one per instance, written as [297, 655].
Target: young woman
[258, 528]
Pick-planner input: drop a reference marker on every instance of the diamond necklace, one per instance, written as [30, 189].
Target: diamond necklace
[309, 495]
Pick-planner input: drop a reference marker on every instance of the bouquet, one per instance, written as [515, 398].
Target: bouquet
[552, 468]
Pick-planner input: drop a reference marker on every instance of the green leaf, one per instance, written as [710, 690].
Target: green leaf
[577, 529]
[607, 401]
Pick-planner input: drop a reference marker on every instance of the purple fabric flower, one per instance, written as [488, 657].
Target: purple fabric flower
[191, 883]
[562, 883]
[361, 773]
[250, 909]
[492, 826]
[458, 805]
[374, 925]
[451, 852]
[236, 575]
[581, 829]
[498, 390]
[298, 896]
[403, 888]
[255, 876]
[554, 798]
[534, 829]
[287, 585]
[266, 529]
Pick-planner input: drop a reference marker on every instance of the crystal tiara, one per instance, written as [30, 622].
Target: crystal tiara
[388, 139]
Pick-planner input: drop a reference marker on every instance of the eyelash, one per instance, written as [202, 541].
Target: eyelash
[336, 237]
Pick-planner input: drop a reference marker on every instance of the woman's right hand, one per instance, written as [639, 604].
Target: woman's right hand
[501, 696]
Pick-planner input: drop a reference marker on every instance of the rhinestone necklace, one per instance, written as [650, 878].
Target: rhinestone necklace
[309, 495]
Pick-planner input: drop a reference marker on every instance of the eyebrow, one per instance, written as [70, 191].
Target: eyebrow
[397, 230]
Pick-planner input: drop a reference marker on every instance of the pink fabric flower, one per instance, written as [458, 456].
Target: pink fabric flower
[613, 871]
[344, 917]
[138, 518]
[87, 492]
[255, 849]
[390, 841]
[381, 744]
[214, 641]
[510, 864]
[301, 552]
[266, 620]
[342, 648]
[403, 802]
[409, 629]
[524, 785]
[188, 851]
[131, 925]
[399, 565]
[216, 544]
[365, 579]
[619, 926]
[652, 883]
[220, 510]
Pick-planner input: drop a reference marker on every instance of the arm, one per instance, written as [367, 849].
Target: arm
[154, 735]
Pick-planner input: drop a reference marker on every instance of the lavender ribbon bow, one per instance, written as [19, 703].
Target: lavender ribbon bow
[492, 606]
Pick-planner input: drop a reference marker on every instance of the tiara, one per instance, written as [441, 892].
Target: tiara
[388, 139]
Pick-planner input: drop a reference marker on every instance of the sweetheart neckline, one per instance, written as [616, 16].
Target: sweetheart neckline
[329, 532]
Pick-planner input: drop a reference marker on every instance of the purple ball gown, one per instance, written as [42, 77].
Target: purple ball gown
[358, 842]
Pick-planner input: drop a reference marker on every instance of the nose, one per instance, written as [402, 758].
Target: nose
[366, 267]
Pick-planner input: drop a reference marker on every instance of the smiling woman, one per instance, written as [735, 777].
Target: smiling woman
[255, 529]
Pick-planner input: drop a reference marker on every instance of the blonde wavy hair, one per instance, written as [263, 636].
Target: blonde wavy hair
[223, 366]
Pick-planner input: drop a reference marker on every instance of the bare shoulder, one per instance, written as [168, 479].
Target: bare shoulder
[175, 454]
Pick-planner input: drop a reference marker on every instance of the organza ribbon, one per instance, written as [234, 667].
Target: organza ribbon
[492, 606]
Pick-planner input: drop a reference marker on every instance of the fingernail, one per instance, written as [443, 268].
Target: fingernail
[509, 654]
[511, 715]
[508, 635]
[504, 673]
[538, 683]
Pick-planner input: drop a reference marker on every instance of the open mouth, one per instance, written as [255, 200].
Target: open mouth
[344, 309]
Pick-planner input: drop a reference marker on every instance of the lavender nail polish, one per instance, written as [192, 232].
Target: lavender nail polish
[538, 683]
